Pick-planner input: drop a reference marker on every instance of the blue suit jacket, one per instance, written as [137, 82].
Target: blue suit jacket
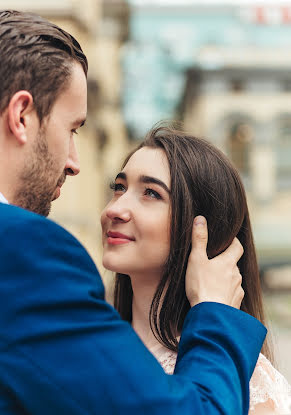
[64, 350]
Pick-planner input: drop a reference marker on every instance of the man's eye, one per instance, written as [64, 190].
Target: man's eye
[152, 193]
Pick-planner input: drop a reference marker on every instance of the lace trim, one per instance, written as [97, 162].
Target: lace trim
[267, 385]
[168, 361]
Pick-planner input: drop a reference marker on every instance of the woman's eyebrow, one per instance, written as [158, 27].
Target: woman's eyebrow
[121, 175]
[145, 179]
[149, 179]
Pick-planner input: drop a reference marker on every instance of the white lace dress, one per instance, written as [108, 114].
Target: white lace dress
[270, 393]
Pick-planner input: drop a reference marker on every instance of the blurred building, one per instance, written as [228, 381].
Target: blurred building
[224, 70]
[100, 28]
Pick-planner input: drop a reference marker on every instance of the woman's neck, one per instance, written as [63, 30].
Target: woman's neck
[143, 289]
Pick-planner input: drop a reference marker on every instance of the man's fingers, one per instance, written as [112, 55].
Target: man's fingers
[199, 237]
[238, 275]
[234, 251]
[237, 298]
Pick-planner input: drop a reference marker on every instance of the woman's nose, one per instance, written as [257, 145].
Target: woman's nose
[119, 211]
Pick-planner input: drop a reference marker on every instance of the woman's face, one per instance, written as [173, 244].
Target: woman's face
[136, 222]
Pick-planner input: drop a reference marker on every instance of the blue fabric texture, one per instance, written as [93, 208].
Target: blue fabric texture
[65, 351]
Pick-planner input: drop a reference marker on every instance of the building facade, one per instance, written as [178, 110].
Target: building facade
[224, 70]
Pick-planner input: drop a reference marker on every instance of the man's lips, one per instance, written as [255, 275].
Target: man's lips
[117, 238]
[60, 183]
[57, 192]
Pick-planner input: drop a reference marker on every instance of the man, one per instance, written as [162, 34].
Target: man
[63, 349]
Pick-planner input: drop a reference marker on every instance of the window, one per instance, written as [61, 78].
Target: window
[240, 137]
[283, 145]
[286, 85]
[237, 85]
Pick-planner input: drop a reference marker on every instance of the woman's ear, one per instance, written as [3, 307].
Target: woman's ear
[20, 109]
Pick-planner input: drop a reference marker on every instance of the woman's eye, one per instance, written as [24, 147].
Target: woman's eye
[117, 187]
[152, 193]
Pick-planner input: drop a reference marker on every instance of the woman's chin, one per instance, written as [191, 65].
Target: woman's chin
[111, 266]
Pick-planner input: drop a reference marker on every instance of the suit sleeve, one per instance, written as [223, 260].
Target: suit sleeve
[64, 350]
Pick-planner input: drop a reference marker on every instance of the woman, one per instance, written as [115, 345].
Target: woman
[170, 178]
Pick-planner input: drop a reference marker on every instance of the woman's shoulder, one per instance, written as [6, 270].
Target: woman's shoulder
[270, 393]
[269, 388]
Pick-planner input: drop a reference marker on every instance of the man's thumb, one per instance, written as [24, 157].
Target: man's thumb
[199, 236]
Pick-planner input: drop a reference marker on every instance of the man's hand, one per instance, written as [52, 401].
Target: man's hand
[217, 279]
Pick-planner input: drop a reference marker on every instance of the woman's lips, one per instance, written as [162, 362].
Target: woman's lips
[117, 238]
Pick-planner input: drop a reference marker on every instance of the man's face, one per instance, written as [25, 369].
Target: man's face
[53, 154]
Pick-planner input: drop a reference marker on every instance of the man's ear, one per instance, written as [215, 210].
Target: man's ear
[19, 109]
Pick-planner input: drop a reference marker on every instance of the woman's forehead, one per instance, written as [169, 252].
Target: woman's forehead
[149, 161]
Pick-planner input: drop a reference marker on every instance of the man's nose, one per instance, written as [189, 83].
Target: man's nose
[72, 167]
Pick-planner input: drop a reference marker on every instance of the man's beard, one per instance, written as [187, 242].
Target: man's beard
[38, 182]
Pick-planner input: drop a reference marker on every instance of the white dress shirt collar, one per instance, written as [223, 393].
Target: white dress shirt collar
[3, 199]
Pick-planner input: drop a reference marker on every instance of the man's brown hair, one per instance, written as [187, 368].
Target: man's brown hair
[35, 55]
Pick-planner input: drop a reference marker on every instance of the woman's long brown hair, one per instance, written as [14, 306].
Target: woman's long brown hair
[203, 182]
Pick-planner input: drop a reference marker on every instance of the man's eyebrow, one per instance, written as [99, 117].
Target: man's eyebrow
[80, 122]
[145, 179]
